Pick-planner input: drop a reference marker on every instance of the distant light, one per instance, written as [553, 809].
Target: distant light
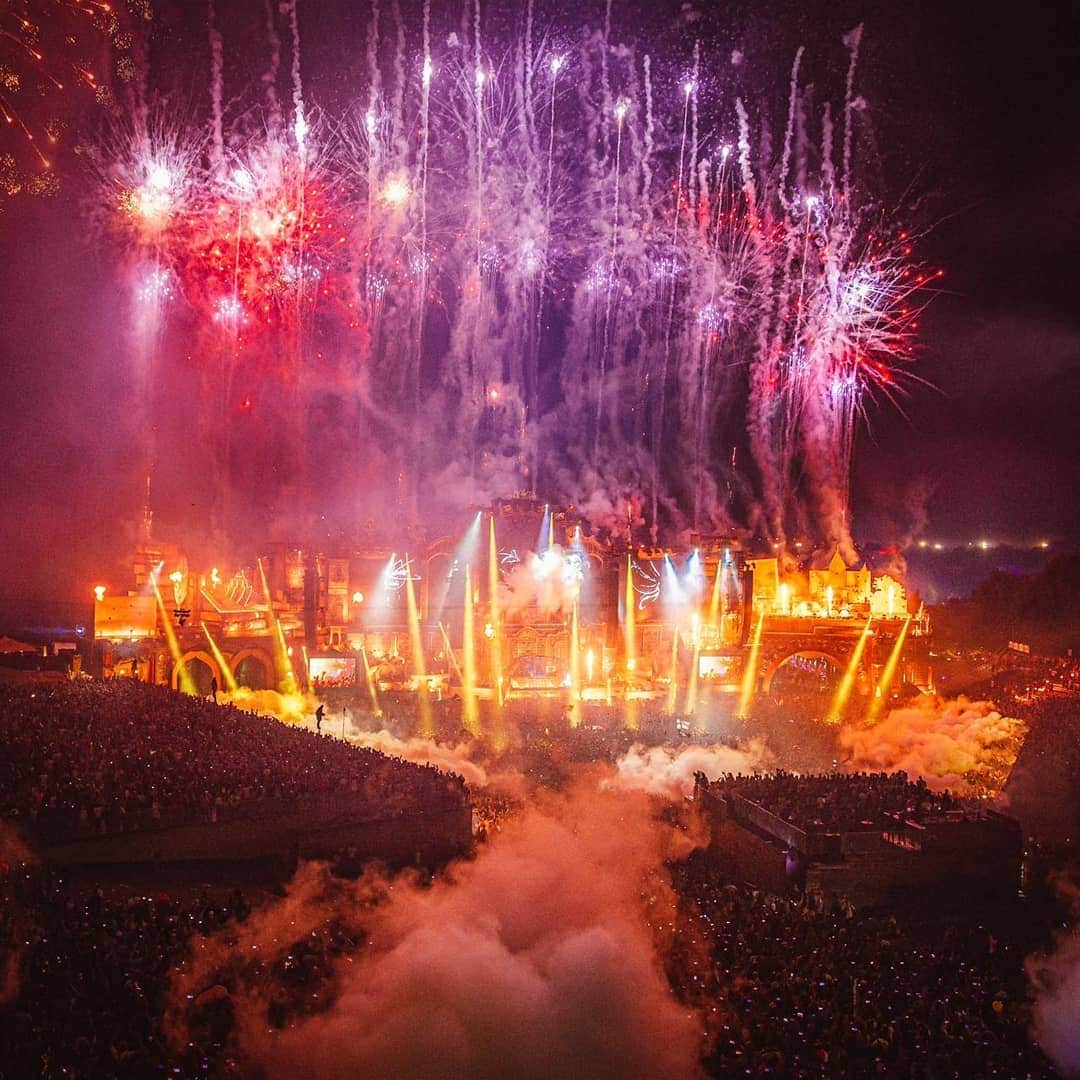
[428, 70]
[984, 544]
[688, 87]
[99, 593]
[556, 64]
[1044, 543]
[493, 394]
[371, 123]
[922, 543]
[938, 547]
[357, 597]
[620, 109]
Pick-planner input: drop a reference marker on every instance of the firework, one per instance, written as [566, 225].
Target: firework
[49, 49]
[641, 296]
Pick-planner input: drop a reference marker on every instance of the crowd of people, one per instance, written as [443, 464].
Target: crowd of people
[90, 758]
[1036, 677]
[782, 987]
[88, 976]
[839, 801]
[788, 990]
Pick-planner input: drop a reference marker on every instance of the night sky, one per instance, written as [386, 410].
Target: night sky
[974, 109]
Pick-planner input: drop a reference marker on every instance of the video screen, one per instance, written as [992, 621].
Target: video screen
[715, 667]
[326, 672]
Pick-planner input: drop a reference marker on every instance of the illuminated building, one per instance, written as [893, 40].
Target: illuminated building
[663, 623]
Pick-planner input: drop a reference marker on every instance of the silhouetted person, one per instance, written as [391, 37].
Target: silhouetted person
[213, 688]
[320, 712]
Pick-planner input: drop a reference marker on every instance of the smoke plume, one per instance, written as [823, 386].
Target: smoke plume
[965, 746]
[1055, 980]
[664, 770]
[534, 960]
[455, 759]
[288, 708]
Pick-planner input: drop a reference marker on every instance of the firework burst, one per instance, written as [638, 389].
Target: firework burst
[645, 297]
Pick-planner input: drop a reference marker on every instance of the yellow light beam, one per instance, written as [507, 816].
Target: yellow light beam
[265, 583]
[847, 682]
[717, 590]
[673, 685]
[369, 677]
[416, 641]
[881, 694]
[494, 614]
[692, 693]
[212, 602]
[183, 676]
[575, 667]
[630, 643]
[470, 712]
[749, 679]
[450, 653]
[629, 639]
[287, 683]
[226, 671]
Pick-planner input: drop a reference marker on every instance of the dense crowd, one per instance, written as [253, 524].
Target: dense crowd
[1043, 790]
[88, 976]
[1052, 675]
[783, 988]
[787, 990]
[95, 758]
[839, 801]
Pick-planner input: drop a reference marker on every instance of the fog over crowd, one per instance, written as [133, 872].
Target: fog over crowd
[533, 960]
[584, 934]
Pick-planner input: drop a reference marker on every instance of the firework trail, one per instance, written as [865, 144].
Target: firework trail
[473, 261]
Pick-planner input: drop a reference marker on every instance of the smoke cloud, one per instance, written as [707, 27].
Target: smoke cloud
[550, 580]
[534, 960]
[1055, 980]
[457, 758]
[965, 746]
[289, 708]
[664, 770]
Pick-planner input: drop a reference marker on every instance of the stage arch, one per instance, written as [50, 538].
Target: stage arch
[253, 668]
[201, 669]
[810, 654]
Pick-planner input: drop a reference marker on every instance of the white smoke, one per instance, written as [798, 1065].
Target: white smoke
[534, 960]
[1055, 979]
[454, 759]
[669, 771]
